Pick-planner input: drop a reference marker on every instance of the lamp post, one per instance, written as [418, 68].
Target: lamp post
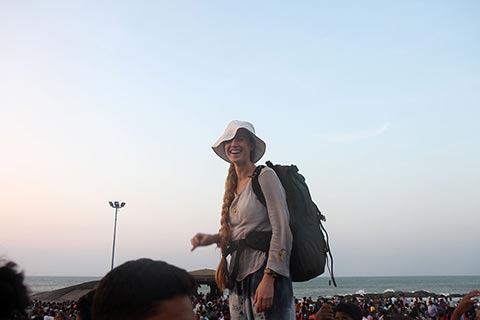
[116, 205]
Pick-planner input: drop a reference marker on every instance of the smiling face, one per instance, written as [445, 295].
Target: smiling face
[240, 148]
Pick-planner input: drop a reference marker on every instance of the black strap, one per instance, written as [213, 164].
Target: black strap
[258, 240]
[329, 266]
[256, 186]
[239, 246]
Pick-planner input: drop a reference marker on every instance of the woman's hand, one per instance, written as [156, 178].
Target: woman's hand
[263, 299]
[203, 239]
[466, 304]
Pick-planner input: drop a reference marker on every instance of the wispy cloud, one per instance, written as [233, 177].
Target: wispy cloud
[356, 136]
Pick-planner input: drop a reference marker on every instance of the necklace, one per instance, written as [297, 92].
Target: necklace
[235, 205]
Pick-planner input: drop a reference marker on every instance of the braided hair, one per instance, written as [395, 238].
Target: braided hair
[221, 275]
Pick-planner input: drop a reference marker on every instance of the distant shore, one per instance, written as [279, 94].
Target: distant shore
[73, 293]
[70, 288]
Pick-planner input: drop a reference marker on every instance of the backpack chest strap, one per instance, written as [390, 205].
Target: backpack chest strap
[258, 240]
[256, 186]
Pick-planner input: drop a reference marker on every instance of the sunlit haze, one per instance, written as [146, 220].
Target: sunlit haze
[377, 102]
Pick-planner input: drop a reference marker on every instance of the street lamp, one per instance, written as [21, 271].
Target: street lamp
[116, 206]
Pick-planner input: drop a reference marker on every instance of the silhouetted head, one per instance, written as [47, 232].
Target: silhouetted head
[348, 311]
[14, 297]
[144, 289]
[84, 306]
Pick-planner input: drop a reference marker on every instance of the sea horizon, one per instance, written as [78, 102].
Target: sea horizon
[444, 285]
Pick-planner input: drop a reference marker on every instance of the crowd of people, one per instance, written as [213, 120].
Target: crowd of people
[216, 307]
[379, 308]
[46, 310]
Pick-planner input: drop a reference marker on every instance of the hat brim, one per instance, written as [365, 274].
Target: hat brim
[219, 148]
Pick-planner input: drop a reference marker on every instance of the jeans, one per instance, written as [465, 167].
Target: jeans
[242, 295]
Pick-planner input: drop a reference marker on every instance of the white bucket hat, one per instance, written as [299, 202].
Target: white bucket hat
[230, 133]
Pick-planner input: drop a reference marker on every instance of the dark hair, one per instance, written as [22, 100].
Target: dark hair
[14, 297]
[351, 309]
[133, 289]
[84, 305]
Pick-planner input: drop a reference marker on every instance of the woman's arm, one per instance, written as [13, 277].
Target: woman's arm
[278, 259]
[204, 239]
[281, 243]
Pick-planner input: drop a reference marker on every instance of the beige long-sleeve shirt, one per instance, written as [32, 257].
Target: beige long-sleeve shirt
[247, 214]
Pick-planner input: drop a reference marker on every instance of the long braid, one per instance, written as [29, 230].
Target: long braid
[221, 275]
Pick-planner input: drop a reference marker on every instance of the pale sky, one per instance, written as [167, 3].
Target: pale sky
[377, 102]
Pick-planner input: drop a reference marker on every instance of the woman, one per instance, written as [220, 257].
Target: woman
[262, 288]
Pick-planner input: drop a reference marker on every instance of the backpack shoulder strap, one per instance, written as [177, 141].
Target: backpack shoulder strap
[256, 185]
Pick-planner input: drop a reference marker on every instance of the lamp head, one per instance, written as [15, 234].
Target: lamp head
[111, 204]
[122, 205]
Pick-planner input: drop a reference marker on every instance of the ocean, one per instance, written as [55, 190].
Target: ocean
[350, 285]
[320, 286]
